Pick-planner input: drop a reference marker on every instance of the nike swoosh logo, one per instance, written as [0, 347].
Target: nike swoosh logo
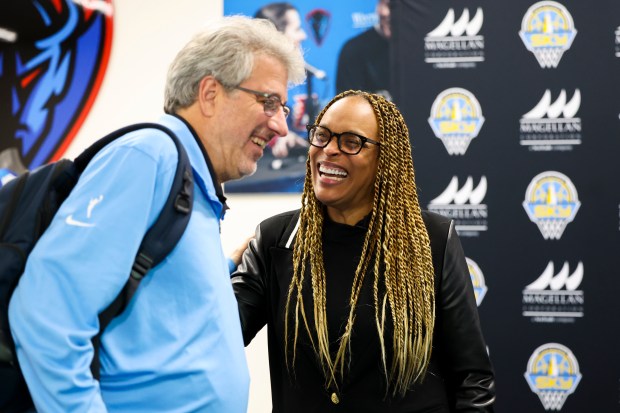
[76, 223]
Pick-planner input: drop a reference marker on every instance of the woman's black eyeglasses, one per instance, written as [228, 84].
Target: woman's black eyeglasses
[348, 142]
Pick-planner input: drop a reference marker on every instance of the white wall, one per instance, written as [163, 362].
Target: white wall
[147, 36]
[246, 212]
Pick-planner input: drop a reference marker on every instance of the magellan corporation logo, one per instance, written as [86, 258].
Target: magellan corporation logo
[477, 280]
[547, 29]
[455, 44]
[551, 202]
[552, 125]
[456, 119]
[555, 297]
[553, 374]
[463, 205]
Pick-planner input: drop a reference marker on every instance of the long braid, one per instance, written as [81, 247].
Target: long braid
[396, 249]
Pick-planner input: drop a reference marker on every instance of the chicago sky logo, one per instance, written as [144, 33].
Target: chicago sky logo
[455, 44]
[552, 125]
[477, 280]
[555, 297]
[551, 202]
[548, 31]
[456, 118]
[463, 205]
[553, 374]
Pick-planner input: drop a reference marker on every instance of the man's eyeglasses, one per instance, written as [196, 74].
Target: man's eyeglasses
[270, 102]
[348, 142]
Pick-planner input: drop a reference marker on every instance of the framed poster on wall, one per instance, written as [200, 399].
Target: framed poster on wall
[321, 28]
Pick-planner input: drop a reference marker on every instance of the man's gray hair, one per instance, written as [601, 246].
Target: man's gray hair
[226, 50]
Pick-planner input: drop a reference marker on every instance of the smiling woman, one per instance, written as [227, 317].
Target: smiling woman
[343, 182]
[359, 284]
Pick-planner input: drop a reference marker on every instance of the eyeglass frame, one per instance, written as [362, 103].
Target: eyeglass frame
[268, 97]
[338, 138]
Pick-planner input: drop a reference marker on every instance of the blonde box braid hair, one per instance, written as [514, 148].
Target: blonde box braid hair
[396, 247]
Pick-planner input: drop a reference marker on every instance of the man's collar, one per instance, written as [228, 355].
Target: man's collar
[218, 187]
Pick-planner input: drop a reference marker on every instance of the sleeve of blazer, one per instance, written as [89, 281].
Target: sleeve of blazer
[471, 375]
[250, 288]
[251, 280]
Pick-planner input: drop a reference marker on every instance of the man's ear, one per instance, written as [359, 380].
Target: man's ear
[207, 92]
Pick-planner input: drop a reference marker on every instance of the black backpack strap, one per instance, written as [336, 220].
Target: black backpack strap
[161, 238]
[5, 219]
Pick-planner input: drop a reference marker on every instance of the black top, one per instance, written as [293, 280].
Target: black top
[460, 375]
[342, 248]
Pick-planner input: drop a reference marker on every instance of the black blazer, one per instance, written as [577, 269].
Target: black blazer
[460, 377]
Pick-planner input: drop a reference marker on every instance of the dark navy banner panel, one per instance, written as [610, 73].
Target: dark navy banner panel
[513, 109]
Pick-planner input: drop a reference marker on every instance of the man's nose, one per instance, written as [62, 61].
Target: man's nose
[277, 123]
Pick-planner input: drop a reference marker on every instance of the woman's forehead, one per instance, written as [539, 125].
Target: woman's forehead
[352, 113]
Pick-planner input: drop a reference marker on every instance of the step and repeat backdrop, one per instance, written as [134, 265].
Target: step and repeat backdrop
[513, 109]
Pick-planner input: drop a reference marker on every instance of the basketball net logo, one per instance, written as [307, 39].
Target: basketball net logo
[551, 202]
[553, 374]
[456, 119]
[477, 280]
[547, 30]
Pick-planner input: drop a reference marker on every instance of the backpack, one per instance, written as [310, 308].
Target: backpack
[27, 205]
